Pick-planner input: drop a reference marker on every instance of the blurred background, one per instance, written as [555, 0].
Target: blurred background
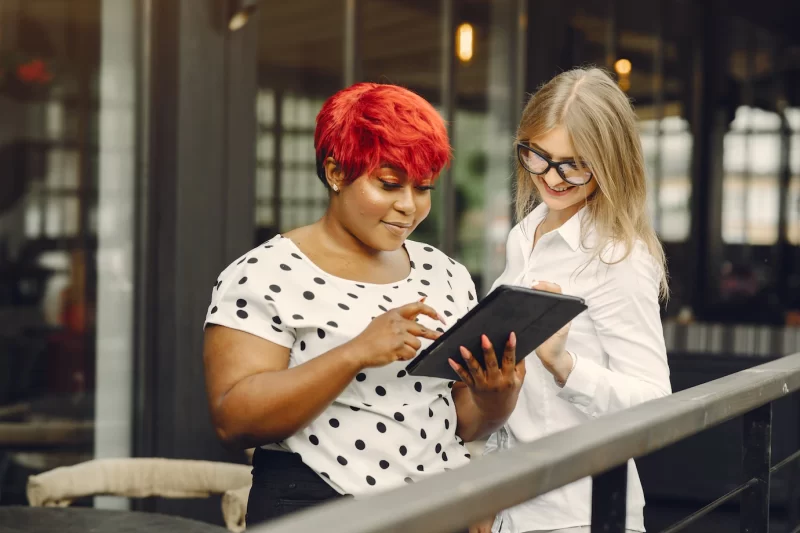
[145, 144]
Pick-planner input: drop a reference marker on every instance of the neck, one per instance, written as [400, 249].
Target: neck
[339, 240]
[555, 219]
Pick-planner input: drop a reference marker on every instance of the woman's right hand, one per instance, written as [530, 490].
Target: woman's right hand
[393, 336]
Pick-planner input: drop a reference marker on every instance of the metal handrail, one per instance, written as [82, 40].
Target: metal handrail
[455, 499]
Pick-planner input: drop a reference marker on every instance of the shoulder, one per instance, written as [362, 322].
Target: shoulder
[454, 280]
[628, 268]
[434, 257]
[254, 293]
[419, 251]
[272, 262]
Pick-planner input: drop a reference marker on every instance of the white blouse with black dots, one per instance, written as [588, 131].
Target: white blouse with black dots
[387, 427]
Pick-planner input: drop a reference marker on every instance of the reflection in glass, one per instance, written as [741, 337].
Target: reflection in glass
[300, 63]
[793, 198]
[65, 287]
[750, 194]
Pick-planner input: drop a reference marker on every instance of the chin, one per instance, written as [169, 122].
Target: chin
[385, 244]
[560, 204]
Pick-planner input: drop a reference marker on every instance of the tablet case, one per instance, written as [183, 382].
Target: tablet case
[533, 315]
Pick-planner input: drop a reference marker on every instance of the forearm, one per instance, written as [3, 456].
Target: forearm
[597, 390]
[271, 406]
[474, 422]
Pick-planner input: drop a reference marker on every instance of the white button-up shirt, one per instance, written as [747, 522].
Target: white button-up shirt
[621, 357]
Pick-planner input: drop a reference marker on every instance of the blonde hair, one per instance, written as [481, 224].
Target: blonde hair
[601, 124]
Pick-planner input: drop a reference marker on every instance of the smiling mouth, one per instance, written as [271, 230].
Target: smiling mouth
[559, 189]
[400, 230]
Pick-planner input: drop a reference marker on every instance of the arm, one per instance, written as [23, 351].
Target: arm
[625, 313]
[473, 424]
[485, 398]
[255, 398]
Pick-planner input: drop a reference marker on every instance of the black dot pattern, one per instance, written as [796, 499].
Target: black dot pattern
[388, 426]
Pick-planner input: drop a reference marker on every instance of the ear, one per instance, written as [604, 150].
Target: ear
[333, 174]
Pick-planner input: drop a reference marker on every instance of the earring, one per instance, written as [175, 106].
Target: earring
[335, 188]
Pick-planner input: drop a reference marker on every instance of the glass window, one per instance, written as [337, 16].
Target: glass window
[793, 198]
[300, 63]
[750, 194]
[649, 69]
[485, 123]
[67, 160]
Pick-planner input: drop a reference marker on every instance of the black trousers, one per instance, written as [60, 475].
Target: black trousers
[283, 484]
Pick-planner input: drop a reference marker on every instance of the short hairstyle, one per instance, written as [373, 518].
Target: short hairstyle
[368, 125]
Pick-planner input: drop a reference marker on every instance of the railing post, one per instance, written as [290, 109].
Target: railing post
[756, 462]
[609, 498]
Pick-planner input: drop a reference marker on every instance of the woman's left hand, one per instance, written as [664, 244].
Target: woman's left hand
[494, 389]
[552, 352]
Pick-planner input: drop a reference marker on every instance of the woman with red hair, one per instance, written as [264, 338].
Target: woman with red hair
[307, 336]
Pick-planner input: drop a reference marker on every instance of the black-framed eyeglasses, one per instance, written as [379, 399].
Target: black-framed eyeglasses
[537, 163]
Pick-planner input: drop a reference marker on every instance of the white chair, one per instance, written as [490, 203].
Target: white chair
[147, 477]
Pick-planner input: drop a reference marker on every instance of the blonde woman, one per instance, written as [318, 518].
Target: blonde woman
[584, 230]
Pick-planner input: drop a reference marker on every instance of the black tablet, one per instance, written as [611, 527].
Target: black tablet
[533, 315]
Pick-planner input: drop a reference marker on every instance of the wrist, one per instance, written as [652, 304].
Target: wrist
[495, 408]
[353, 357]
[563, 367]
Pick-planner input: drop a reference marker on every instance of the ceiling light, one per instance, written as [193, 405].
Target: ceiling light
[240, 13]
[464, 42]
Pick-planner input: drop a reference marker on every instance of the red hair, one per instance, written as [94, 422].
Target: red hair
[368, 125]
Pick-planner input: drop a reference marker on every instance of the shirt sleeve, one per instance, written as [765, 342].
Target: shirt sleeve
[625, 312]
[241, 300]
[515, 261]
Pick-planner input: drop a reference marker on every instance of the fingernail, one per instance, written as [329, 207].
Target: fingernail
[512, 340]
[485, 342]
[453, 364]
[441, 318]
[464, 352]
[535, 283]
[422, 299]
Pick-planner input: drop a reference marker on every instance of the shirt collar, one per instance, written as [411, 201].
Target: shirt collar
[570, 231]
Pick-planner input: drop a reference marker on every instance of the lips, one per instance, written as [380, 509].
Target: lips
[554, 192]
[396, 228]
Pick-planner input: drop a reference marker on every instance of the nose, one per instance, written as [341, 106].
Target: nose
[550, 174]
[405, 202]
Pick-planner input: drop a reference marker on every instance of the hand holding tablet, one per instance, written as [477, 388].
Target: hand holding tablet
[533, 315]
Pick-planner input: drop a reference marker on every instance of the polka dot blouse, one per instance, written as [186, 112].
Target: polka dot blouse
[387, 427]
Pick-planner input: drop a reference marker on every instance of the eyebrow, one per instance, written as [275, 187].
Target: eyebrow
[548, 154]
